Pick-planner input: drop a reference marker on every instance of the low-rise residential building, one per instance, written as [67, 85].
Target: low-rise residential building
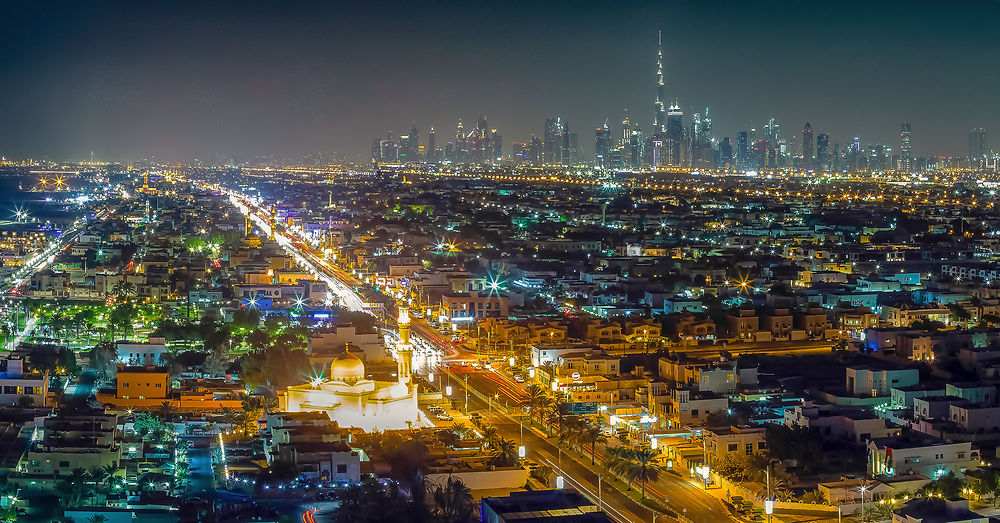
[22, 388]
[872, 381]
[905, 315]
[723, 377]
[71, 441]
[916, 454]
[839, 424]
[721, 442]
[149, 353]
[683, 407]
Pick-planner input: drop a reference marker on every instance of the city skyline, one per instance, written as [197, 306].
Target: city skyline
[258, 81]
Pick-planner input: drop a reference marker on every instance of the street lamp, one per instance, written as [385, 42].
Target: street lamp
[863, 489]
[769, 502]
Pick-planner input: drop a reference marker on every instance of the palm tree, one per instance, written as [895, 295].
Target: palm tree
[123, 289]
[228, 415]
[109, 475]
[646, 468]
[490, 435]
[593, 434]
[454, 501]
[167, 411]
[619, 463]
[560, 412]
[97, 518]
[572, 430]
[98, 475]
[504, 453]
[536, 397]
[460, 429]
[74, 491]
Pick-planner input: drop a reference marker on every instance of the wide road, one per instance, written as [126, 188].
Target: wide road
[681, 496]
[41, 259]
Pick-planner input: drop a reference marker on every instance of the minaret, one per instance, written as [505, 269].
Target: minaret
[660, 122]
[404, 351]
[273, 223]
[247, 227]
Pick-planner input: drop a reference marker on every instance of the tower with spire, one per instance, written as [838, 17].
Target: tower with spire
[660, 120]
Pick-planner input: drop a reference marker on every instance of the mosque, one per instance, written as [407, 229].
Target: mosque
[352, 400]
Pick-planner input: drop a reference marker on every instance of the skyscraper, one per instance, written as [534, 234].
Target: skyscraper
[570, 150]
[602, 146]
[431, 151]
[807, 146]
[725, 154]
[460, 151]
[659, 121]
[905, 153]
[772, 131]
[823, 151]
[408, 146]
[742, 150]
[495, 146]
[552, 140]
[978, 148]
[675, 134]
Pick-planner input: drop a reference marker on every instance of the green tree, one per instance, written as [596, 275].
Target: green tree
[454, 501]
[504, 453]
[217, 361]
[490, 436]
[166, 411]
[646, 468]
[371, 502]
[593, 435]
[104, 360]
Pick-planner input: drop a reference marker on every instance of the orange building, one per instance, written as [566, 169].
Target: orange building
[147, 388]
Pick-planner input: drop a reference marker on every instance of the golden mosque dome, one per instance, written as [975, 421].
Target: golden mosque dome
[347, 367]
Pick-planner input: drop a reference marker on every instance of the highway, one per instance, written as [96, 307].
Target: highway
[39, 260]
[672, 490]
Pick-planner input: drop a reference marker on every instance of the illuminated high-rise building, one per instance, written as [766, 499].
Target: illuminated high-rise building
[535, 151]
[409, 145]
[431, 151]
[571, 146]
[552, 140]
[495, 146]
[635, 149]
[460, 150]
[823, 151]
[772, 131]
[701, 141]
[602, 146]
[660, 118]
[742, 150]
[807, 146]
[978, 148]
[725, 154]
[905, 152]
[674, 143]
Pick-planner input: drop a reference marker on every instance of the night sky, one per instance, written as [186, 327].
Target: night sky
[177, 81]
